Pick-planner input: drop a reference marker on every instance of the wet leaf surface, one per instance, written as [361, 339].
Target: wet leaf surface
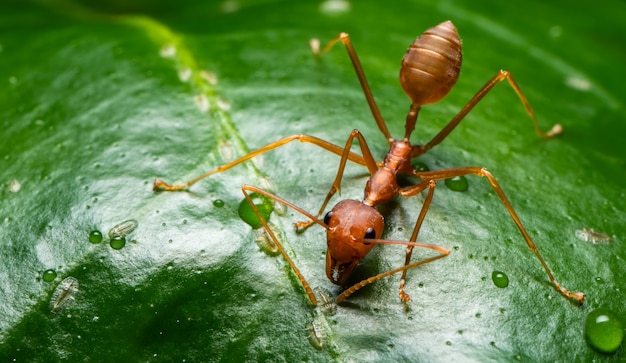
[99, 100]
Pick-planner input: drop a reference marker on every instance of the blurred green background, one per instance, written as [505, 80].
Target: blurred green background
[100, 98]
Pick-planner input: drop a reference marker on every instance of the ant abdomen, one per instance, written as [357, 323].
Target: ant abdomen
[432, 64]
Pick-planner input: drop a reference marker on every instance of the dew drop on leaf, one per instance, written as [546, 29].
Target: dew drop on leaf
[500, 279]
[264, 205]
[603, 330]
[218, 203]
[49, 275]
[117, 243]
[457, 184]
[420, 166]
[95, 237]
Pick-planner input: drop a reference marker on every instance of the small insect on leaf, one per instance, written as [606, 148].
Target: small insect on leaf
[123, 229]
[64, 294]
[317, 335]
[264, 241]
[326, 301]
[590, 235]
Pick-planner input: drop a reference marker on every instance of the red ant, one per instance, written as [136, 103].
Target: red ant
[430, 68]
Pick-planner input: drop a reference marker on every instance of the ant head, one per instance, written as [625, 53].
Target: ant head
[350, 224]
[432, 64]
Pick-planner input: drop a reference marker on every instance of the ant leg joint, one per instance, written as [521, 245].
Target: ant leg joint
[161, 186]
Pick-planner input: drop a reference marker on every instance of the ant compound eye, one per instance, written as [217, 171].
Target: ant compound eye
[327, 217]
[370, 233]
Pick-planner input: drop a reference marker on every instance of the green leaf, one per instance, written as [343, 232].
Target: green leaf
[99, 100]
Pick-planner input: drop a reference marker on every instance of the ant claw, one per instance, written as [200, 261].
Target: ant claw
[404, 297]
[579, 297]
[159, 185]
[302, 226]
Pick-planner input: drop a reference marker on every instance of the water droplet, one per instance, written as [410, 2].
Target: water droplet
[117, 243]
[457, 184]
[603, 330]
[218, 203]
[95, 236]
[500, 279]
[64, 294]
[419, 166]
[264, 205]
[599, 280]
[123, 229]
[448, 343]
[49, 275]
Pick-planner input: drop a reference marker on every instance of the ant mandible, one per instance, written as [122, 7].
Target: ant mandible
[430, 68]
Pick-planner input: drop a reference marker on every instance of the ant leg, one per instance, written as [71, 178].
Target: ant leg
[371, 164]
[443, 252]
[159, 185]
[499, 77]
[345, 39]
[272, 236]
[450, 173]
[409, 192]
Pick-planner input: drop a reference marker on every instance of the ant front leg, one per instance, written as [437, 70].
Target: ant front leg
[247, 189]
[409, 192]
[160, 185]
[443, 252]
[579, 297]
[499, 77]
[336, 186]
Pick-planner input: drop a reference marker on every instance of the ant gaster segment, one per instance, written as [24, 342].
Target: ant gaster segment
[430, 68]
